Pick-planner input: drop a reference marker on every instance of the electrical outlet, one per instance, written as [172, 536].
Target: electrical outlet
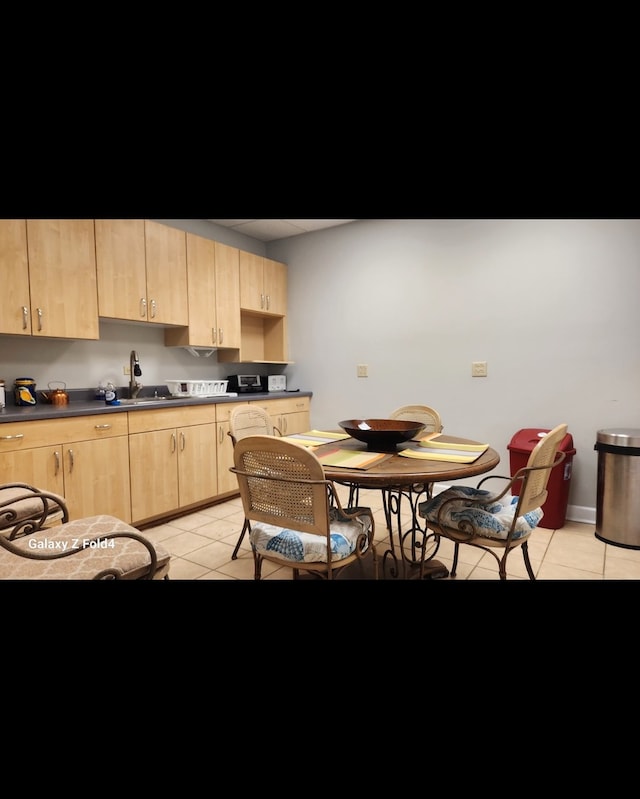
[478, 369]
[363, 370]
[126, 370]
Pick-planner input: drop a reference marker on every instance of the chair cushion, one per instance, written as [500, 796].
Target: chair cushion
[302, 547]
[491, 521]
[129, 556]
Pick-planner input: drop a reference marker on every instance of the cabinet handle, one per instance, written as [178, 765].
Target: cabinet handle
[103, 426]
[262, 301]
[25, 317]
[182, 442]
[220, 336]
[268, 302]
[213, 335]
[11, 438]
[143, 308]
[56, 456]
[71, 461]
[153, 309]
[173, 442]
[39, 318]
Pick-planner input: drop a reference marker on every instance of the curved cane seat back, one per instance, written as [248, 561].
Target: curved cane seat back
[250, 420]
[420, 413]
[500, 521]
[295, 514]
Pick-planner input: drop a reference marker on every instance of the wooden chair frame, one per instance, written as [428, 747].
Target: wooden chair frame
[283, 484]
[530, 485]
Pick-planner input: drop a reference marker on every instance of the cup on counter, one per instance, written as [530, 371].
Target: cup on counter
[25, 391]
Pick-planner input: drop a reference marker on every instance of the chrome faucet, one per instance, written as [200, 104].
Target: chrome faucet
[134, 371]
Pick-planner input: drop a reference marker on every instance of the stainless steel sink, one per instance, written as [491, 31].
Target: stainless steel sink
[146, 400]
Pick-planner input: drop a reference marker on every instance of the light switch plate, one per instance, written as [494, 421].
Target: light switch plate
[479, 369]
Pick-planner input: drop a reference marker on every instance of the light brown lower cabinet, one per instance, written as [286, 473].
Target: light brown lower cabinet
[290, 415]
[140, 465]
[227, 481]
[171, 467]
[86, 459]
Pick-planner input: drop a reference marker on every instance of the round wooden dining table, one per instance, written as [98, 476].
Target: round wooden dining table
[406, 479]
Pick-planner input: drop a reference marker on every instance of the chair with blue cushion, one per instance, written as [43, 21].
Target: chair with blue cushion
[296, 516]
[498, 523]
[249, 420]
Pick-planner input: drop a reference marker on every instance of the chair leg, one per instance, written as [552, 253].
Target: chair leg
[456, 547]
[527, 562]
[354, 496]
[245, 528]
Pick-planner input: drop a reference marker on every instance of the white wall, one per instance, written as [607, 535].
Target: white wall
[551, 305]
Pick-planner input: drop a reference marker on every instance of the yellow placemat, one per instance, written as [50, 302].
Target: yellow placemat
[352, 460]
[314, 438]
[453, 453]
[430, 444]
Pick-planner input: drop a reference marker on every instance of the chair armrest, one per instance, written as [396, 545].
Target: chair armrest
[28, 509]
[347, 514]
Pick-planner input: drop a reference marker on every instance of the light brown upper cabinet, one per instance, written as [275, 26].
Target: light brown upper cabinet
[263, 284]
[213, 271]
[142, 271]
[62, 278]
[15, 302]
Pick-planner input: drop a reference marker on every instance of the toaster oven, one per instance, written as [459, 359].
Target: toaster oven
[244, 384]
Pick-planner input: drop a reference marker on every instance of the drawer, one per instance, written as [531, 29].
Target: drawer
[48, 432]
[289, 405]
[167, 418]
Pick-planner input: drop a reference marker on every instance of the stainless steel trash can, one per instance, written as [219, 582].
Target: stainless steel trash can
[618, 494]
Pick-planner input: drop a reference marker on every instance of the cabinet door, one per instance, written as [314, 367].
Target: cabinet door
[62, 277]
[294, 423]
[201, 274]
[166, 258]
[228, 295]
[153, 462]
[121, 269]
[275, 286]
[40, 467]
[251, 282]
[15, 303]
[96, 478]
[227, 481]
[197, 467]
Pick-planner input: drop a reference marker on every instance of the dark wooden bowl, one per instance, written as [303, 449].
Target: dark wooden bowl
[382, 435]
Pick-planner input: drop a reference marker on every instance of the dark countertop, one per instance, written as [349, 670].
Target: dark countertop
[44, 410]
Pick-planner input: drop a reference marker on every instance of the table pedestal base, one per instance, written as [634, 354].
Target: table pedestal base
[363, 570]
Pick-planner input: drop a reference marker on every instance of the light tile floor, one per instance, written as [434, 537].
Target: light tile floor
[201, 545]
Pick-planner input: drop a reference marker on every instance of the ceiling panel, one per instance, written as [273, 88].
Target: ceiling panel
[271, 229]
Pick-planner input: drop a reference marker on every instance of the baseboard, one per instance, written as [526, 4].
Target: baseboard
[575, 513]
[581, 513]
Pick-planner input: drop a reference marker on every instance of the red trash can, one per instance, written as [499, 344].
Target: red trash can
[555, 507]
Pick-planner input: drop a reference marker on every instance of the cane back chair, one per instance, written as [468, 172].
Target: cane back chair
[498, 523]
[295, 512]
[249, 420]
